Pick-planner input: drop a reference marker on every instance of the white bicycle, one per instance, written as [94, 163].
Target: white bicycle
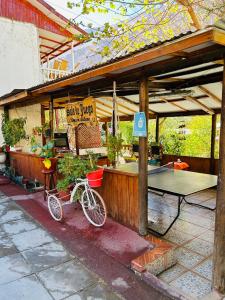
[92, 203]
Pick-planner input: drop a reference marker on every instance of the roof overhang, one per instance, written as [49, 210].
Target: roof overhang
[199, 40]
[186, 54]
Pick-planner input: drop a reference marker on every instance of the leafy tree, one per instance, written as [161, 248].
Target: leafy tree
[142, 21]
[195, 141]
[198, 141]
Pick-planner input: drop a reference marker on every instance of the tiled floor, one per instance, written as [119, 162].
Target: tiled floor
[34, 265]
[193, 233]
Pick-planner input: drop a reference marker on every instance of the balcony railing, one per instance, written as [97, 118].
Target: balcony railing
[52, 74]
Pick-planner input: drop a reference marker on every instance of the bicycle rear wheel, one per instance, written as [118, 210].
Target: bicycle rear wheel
[55, 208]
[93, 207]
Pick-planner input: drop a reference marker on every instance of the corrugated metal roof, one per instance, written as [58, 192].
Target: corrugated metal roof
[112, 60]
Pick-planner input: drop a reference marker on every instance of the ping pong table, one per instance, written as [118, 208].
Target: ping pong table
[168, 180]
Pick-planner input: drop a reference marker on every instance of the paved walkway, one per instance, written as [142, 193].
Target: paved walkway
[34, 265]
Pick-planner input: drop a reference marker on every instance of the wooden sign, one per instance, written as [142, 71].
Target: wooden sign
[82, 112]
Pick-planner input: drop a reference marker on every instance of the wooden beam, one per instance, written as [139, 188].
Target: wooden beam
[157, 129]
[152, 112]
[108, 106]
[43, 123]
[188, 72]
[174, 104]
[51, 116]
[212, 152]
[219, 241]
[192, 13]
[122, 105]
[103, 110]
[50, 40]
[48, 47]
[202, 106]
[218, 37]
[197, 112]
[143, 161]
[181, 54]
[14, 98]
[210, 94]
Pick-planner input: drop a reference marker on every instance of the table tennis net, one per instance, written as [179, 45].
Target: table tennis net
[165, 168]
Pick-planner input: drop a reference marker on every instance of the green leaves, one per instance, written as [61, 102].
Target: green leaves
[72, 167]
[132, 24]
[114, 147]
[13, 130]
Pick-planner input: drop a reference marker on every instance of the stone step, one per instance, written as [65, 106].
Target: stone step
[156, 260]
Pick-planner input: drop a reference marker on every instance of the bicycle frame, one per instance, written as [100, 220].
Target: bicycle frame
[83, 182]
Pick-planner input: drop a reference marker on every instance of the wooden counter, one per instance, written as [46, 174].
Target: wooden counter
[26, 164]
[29, 165]
[120, 193]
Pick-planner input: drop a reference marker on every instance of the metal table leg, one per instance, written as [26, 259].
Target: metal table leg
[179, 202]
[199, 205]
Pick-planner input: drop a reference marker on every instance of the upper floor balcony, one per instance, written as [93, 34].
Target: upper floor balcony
[58, 69]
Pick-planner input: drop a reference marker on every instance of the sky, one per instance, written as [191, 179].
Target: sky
[95, 19]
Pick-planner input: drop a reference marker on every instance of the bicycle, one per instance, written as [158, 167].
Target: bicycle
[92, 204]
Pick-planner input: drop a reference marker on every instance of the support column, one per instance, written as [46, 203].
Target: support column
[157, 129]
[106, 132]
[219, 243]
[51, 116]
[143, 160]
[43, 123]
[213, 136]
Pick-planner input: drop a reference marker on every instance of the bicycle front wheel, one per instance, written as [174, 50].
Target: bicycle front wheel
[93, 207]
[55, 208]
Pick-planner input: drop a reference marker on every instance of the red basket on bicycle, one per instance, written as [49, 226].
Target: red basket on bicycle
[95, 178]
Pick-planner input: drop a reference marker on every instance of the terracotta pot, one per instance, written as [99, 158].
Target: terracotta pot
[64, 196]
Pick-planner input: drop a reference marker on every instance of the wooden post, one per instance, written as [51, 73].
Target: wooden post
[51, 116]
[219, 242]
[213, 135]
[157, 129]
[143, 161]
[106, 132]
[76, 141]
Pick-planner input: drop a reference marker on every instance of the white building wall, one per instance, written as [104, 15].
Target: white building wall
[19, 56]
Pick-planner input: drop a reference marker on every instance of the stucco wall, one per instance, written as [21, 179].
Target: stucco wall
[33, 115]
[19, 56]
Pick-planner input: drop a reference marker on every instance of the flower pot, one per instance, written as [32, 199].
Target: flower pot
[51, 166]
[7, 148]
[64, 195]
[2, 158]
[95, 178]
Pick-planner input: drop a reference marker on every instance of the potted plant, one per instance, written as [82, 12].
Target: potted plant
[46, 130]
[114, 148]
[46, 153]
[13, 130]
[37, 130]
[72, 167]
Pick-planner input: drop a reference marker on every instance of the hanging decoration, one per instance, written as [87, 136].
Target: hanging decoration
[140, 128]
[82, 112]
